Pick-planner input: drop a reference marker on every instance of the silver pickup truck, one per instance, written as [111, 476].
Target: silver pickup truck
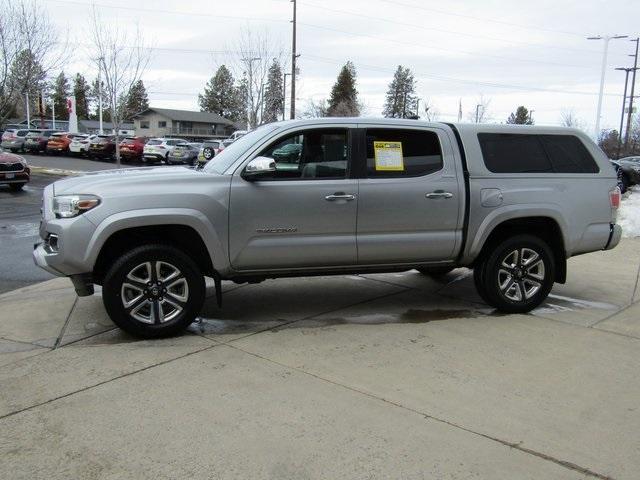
[335, 196]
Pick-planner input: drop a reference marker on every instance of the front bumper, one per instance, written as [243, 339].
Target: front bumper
[14, 177]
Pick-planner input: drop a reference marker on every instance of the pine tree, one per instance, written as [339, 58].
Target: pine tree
[401, 100]
[137, 101]
[26, 76]
[274, 96]
[344, 96]
[82, 92]
[106, 108]
[221, 95]
[60, 93]
[520, 117]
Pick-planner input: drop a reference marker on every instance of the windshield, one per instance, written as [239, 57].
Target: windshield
[221, 162]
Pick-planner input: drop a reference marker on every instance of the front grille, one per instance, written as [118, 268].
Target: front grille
[11, 167]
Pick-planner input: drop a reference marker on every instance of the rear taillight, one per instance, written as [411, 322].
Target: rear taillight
[614, 198]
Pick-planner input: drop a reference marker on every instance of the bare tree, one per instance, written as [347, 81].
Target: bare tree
[121, 58]
[315, 109]
[256, 53]
[30, 48]
[568, 118]
[431, 112]
[480, 111]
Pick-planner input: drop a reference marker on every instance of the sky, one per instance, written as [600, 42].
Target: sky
[496, 52]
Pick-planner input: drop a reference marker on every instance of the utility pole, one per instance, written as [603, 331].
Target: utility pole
[294, 56]
[284, 96]
[531, 116]
[53, 114]
[418, 107]
[28, 111]
[624, 102]
[478, 112]
[633, 84]
[605, 52]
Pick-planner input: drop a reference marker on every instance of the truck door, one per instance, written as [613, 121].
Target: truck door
[410, 197]
[304, 214]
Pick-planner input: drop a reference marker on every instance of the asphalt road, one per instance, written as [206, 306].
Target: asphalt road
[20, 217]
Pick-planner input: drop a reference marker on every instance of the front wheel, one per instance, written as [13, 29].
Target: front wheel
[517, 274]
[153, 291]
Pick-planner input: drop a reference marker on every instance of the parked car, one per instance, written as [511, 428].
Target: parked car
[80, 144]
[288, 153]
[14, 171]
[36, 140]
[158, 149]
[208, 150]
[629, 169]
[13, 139]
[367, 196]
[184, 153]
[131, 148]
[237, 134]
[59, 142]
[102, 147]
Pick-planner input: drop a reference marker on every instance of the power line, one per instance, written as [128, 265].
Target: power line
[481, 19]
[414, 44]
[459, 80]
[436, 29]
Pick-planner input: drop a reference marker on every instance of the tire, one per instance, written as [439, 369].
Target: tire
[478, 281]
[208, 153]
[128, 283]
[517, 275]
[16, 187]
[625, 181]
[435, 272]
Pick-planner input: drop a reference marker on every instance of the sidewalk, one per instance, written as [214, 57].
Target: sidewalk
[371, 376]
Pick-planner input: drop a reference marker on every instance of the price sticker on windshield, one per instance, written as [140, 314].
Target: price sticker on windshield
[388, 156]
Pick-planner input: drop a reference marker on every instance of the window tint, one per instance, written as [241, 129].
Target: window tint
[154, 142]
[310, 154]
[402, 153]
[522, 153]
[568, 154]
[513, 153]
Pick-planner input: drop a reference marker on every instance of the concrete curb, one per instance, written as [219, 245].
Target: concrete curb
[54, 171]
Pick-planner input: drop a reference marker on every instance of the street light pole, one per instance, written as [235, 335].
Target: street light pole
[531, 116]
[100, 129]
[605, 52]
[478, 112]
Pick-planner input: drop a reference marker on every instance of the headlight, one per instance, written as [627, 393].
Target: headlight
[68, 206]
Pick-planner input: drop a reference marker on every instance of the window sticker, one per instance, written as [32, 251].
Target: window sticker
[388, 156]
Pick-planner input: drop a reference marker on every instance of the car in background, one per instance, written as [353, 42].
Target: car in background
[102, 147]
[237, 134]
[14, 171]
[208, 150]
[13, 138]
[184, 153]
[628, 169]
[132, 148]
[59, 142]
[80, 144]
[158, 149]
[36, 140]
[289, 153]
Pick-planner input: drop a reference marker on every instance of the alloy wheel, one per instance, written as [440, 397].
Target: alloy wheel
[521, 274]
[154, 292]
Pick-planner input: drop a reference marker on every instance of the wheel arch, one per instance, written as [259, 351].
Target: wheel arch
[190, 231]
[546, 228]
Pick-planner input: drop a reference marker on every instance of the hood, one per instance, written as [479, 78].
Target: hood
[125, 179]
[11, 158]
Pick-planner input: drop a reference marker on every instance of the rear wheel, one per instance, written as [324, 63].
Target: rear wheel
[208, 153]
[517, 274]
[153, 291]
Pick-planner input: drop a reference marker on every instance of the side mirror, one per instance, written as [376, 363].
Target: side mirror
[258, 167]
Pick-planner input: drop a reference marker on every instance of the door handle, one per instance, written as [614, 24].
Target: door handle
[439, 194]
[340, 196]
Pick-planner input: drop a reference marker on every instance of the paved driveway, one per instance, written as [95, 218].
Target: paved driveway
[372, 376]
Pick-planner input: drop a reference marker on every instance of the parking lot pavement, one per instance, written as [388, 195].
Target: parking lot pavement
[78, 164]
[373, 376]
